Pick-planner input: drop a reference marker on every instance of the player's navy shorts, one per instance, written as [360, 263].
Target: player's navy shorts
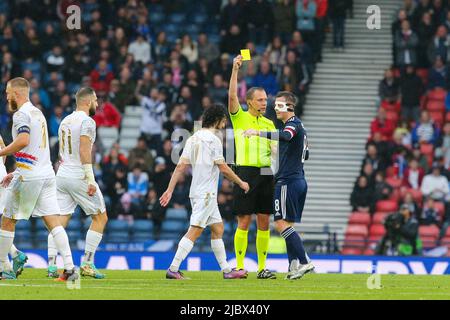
[289, 199]
[259, 198]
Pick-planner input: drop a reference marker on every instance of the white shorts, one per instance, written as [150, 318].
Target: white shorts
[73, 192]
[25, 199]
[205, 212]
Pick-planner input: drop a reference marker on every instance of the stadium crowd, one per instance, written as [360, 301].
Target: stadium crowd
[407, 162]
[172, 58]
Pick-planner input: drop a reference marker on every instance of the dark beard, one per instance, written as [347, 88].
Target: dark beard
[91, 112]
[13, 106]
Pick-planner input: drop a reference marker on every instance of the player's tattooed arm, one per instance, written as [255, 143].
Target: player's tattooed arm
[233, 100]
[178, 172]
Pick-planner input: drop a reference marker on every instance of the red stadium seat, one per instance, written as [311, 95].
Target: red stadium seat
[377, 230]
[438, 94]
[379, 217]
[435, 106]
[394, 182]
[354, 241]
[387, 206]
[359, 218]
[390, 172]
[368, 252]
[395, 195]
[357, 230]
[375, 238]
[429, 232]
[351, 251]
[426, 148]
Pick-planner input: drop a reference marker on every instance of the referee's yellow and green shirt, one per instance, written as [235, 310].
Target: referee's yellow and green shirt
[253, 151]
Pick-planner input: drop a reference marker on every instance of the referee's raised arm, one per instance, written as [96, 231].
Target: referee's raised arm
[233, 100]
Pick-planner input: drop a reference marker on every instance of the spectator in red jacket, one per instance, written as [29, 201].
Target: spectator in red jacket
[413, 175]
[107, 114]
[382, 125]
[101, 77]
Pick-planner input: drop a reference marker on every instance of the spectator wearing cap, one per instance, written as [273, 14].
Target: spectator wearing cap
[425, 131]
[435, 185]
[411, 89]
[141, 155]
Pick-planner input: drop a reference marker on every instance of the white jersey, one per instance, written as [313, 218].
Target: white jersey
[2, 165]
[33, 161]
[70, 131]
[203, 151]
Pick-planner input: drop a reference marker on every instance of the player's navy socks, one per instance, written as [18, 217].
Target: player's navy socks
[294, 241]
[289, 249]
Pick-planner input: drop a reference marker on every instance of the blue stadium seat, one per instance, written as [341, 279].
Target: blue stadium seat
[23, 226]
[156, 18]
[74, 235]
[174, 226]
[171, 28]
[23, 244]
[141, 236]
[199, 18]
[176, 214]
[22, 234]
[118, 237]
[74, 225]
[172, 37]
[228, 228]
[142, 226]
[170, 236]
[117, 225]
[40, 225]
[87, 224]
[214, 38]
[41, 236]
[177, 18]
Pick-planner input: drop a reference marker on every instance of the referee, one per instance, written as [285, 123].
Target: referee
[252, 156]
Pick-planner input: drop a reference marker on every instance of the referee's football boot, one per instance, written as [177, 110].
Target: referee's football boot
[265, 274]
[19, 263]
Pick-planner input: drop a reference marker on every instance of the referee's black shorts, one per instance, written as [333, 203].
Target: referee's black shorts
[260, 197]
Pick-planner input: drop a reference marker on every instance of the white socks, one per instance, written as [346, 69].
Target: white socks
[93, 239]
[13, 251]
[218, 247]
[6, 241]
[52, 251]
[62, 244]
[184, 247]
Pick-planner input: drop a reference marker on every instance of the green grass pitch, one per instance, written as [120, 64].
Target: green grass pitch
[210, 285]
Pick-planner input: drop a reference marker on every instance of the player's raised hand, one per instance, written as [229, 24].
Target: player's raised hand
[237, 62]
[250, 132]
[92, 189]
[165, 198]
[244, 186]
[6, 180]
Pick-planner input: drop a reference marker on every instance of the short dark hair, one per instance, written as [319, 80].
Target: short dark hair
[212, 115]
[288, 96]
[251, 92]
[83, 92]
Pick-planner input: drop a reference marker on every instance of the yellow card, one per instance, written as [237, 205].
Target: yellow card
[245, 53]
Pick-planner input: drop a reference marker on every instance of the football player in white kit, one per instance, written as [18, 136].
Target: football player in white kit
[75, 180]
[31, 188]
[19, 258]
[204, 152]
